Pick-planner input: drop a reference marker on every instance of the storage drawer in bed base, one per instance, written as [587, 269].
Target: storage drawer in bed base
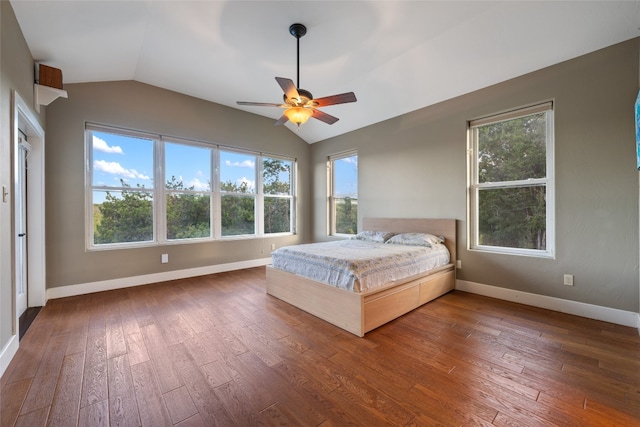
[392, 303]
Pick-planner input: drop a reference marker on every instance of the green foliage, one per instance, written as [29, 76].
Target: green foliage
[237, 215]
[510, 151]
[237, 211]
[277, 215]
[188, 214]
[125, 218]
[346, 216]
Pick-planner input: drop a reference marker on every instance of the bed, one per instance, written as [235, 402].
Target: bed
[359, 309]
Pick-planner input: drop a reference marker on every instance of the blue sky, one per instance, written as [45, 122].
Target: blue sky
[346, 174]
[117, 157]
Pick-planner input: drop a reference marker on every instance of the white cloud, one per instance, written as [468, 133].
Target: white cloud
[100, 144]
[352, 160]
[197, 185]
[250, 184]
[117, 169]
[242, 164]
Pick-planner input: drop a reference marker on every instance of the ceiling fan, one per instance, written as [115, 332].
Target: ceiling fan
[299, 104]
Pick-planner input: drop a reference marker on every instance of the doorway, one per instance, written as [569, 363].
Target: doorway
[29, 219]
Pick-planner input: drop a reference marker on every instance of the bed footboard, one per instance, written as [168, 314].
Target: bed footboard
[337, 306]
[356, 312]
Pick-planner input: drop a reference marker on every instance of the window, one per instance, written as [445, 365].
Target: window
[343, 193]
[238, 188]
[208, 192]
[187, 190]
[277, 184]
[511, 182]
[123, 187]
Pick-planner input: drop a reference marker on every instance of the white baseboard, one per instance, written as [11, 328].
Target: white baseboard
[606, 314]
[7, 353]
[127, 282]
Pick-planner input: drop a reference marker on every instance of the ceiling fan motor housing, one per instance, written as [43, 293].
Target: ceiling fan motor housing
[297, 30]
[305, 97]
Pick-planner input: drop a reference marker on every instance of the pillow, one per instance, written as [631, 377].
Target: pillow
[374, 236]
[416, 239]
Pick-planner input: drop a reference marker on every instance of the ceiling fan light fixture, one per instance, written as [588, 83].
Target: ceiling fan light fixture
[298, 115]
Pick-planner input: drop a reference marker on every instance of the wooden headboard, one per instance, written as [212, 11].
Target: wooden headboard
[438, 227]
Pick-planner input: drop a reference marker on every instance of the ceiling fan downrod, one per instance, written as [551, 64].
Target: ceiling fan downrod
[297, 31]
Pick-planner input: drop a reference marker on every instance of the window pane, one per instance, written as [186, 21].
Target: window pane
[344, 196]
[513, 217]
[512, 150]
[122, 216]
[237, 172]
[120, 160]
[277, 214]
[345, 173]
[187, 167]
[346, 215]
[238, 215]
[188, 216]
[276, 176]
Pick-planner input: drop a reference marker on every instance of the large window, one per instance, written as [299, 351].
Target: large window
[511, 182]
[343, 193]
[147, 189]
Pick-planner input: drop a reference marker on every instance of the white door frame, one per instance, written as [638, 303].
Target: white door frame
[25, 119]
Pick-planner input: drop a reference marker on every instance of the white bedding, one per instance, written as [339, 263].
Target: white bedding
[358, 265]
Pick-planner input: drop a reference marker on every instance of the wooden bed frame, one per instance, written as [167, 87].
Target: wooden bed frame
[361, 312]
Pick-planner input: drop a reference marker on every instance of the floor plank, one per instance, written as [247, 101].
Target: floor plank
[123, 410]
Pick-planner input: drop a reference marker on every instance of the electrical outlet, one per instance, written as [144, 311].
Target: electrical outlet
[164, 258]
[459, 264]
[273, 246]
[568, 279]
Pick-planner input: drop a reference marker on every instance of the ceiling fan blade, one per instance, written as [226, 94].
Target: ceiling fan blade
[261, 104]
[324, 117]
[343, 98]
[290, 90]
[282, 120]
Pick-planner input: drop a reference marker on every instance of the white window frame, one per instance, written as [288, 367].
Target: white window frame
[474, 187]
[291, 196]
[160, 191]
[89, 187]
[331, 196]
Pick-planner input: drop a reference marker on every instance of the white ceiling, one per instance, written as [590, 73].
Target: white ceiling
[397, 56]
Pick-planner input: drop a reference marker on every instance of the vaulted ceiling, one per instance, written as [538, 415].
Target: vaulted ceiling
[397, 56]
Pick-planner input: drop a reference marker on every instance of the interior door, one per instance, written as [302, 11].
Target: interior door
[23, 150]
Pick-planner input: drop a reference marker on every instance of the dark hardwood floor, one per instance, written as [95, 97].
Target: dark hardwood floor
[215, 350]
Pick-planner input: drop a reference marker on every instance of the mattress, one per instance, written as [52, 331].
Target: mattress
[358, 265]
